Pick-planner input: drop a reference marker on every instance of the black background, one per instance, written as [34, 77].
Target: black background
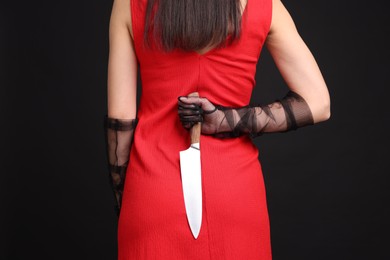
[327, 185]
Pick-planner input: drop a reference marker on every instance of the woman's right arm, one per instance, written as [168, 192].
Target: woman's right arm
[122, 64]
[120, 121]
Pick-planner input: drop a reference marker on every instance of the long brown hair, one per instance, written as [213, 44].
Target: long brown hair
[192, 24]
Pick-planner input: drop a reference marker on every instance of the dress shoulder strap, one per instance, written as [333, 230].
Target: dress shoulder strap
[260, 17]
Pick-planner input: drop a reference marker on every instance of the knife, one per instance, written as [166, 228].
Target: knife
[190, 168]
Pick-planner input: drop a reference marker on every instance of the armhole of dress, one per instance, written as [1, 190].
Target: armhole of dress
[270, 7]
[131, 7]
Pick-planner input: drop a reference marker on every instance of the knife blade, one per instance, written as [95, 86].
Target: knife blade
[190, 167]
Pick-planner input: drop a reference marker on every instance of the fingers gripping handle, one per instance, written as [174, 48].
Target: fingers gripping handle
[196, 128]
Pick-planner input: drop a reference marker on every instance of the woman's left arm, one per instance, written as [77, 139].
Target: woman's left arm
[306, 103]
[296, 63]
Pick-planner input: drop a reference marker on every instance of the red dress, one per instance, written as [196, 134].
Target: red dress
[153, 222]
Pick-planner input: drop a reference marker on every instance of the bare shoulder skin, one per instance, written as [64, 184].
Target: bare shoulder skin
[291, 55]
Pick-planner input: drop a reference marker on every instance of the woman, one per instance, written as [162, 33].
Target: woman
[210, 47]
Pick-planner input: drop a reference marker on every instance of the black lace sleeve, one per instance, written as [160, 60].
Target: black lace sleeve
[118, 138]
[283, 115]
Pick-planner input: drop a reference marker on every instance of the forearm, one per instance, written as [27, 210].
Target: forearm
[289, 113]
[119, 135]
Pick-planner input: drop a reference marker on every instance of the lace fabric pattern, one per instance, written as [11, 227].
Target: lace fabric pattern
[118, 139]
[289, 113]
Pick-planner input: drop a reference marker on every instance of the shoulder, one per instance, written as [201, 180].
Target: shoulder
[121, 14]
[281, 18]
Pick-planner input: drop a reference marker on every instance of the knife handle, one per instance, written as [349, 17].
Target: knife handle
[195, 129]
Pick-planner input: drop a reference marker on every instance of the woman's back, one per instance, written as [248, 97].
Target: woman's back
[153, 221]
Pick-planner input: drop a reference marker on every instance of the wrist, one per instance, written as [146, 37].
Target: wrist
[230, 122]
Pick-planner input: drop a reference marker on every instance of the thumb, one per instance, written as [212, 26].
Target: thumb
[192, 103]
[190, 100]
[203, 102]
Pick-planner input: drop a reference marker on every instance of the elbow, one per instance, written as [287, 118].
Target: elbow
[323, 111]
[326, 112]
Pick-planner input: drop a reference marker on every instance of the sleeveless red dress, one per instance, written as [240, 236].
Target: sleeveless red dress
[153, 222]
